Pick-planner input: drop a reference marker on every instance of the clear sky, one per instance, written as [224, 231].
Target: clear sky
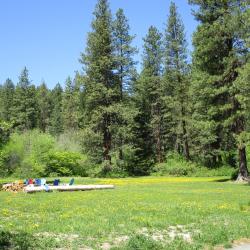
[48, 36]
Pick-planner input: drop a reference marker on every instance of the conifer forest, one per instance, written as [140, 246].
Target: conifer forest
[121, 117]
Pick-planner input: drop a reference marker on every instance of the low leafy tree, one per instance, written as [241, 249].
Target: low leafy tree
[5, 129]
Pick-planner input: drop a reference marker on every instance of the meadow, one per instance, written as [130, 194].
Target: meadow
[140, 213]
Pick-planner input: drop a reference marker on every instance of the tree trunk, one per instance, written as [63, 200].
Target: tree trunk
[177, 145]
[184, 135]
[121, 83]
[120, 149]
[106, 140]
[121, 100]
[243, 171]
[239, 128]
[158, 146]
[158, 132]
[185, 141]
[107, 146]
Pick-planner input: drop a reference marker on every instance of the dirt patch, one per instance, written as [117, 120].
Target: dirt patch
[242, 241]
[117, 241]
[105, 246]
[169, 234]
[58, 237]
[242, 244]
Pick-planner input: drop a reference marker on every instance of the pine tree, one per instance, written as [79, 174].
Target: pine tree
[56, 119]
[124, 52]
[102, 91]
[176, 80]
[1, 104]
[44, 107]
[240, 89]
[24, 110]
[80, 94]
[220, 52]
[7, 95]
[149, 95]
[70, 105]
[125, 72]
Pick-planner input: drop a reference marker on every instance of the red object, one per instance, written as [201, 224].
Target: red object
[30, 181]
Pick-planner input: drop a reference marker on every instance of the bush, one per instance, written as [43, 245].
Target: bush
[139, 242]
[176, 165]
[65, 164]
[4, 132]
[26, 154]
[36, 154]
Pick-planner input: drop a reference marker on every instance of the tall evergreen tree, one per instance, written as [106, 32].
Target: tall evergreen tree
[149, 95]
[102, 91]
[44, 107]
[24, 109]
[56, 119]
[124, 52]
[1, 94]
[176, 80]
[239, 118]
[125, 73]
[81, 94]
[70, 105]
[220, 52]
[6, 102]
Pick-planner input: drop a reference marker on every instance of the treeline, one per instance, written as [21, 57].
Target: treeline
[197, 108]
[27, 107]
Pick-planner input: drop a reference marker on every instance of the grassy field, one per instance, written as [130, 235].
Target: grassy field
[140, 213]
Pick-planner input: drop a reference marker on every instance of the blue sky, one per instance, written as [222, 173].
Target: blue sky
[48, 36]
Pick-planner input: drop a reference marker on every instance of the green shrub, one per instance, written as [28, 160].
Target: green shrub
[139, 242]
[111, 171]
[37, 154]
[26, 154]
[176, 165]
[65, 164]
[5, 129]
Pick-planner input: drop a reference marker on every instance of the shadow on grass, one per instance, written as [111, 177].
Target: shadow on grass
[229, 179]
[223, 180]
[23, 241]
[20, 240]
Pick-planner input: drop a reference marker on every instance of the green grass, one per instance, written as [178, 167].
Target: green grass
[140, 213]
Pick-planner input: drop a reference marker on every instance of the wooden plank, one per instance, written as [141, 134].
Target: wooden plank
[33, 189]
